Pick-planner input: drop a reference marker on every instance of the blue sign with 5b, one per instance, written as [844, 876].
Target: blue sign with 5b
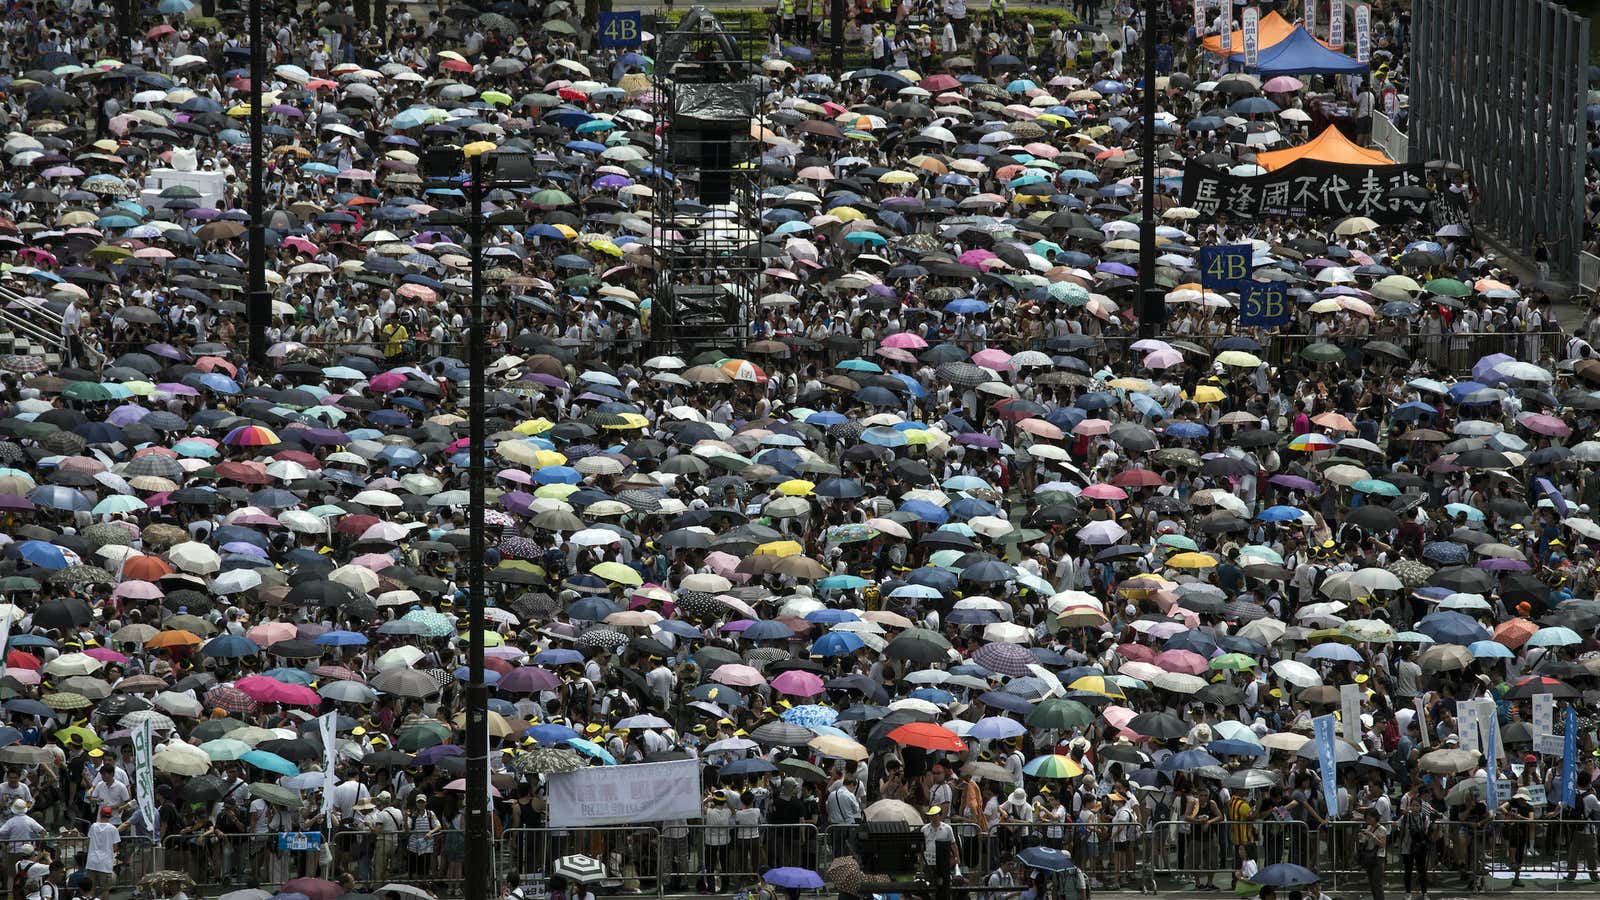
[621, 29]
[1224, 268]
[1264, 304]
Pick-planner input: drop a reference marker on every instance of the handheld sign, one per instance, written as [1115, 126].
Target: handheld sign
[620, 29]
[1264, 304]
[1225, 268]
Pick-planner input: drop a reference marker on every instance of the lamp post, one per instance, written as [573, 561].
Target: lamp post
[258, 306]
[1152, 305]
[445, 163]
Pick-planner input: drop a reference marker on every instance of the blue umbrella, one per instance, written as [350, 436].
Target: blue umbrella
[270, 762]
[1490, 650]
[1280, 514]
[1188, 759]
[341, 639]
[55, 496]
[1448, 553]
[43, 554]
[992, 728]
[793, 878]
[768, 630]
[1236, 748]
[753, 765]
[1047, 859]
[966, 306]
[1333, 651]
[1448, 627]
[837, 643]
[810, 715]
[593, 750]
[550, 734]
[230, 646]
[1285, 875]
[560, 657]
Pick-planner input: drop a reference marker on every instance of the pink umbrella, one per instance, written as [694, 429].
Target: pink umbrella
[24, 676]
[269, 633]
[1162, 630]
[993, 358]
[105, 655]
[738, 675]
[975, 257]
[377, 562]
[1118, 716]
[796, 683]
[1283, 84]
[387, 381]
[1163, 359]
[138, 590]
[1092, 427]
[724, 564]
[1136, 652]
[897, 354]
[905, 340]
[1185, 661]
[460, 784]
[1541, 423]
[1103, 491]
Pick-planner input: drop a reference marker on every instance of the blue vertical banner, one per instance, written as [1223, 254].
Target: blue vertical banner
[1264, 304]
[1569, 760]
[1327, 760]
[621, 29]
[1225, 268]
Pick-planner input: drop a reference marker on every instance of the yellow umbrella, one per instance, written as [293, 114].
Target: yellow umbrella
[1238, 358]
[556, 491]
[780, 548]
[490, 638]
[1208, 393]
[1190, 560]
[1129, 384]
[617, 572]
[534, 426]
[477, 147]
[542, 458]
[847, 214]
[1098, 684]
[796, 487]
[896, 176]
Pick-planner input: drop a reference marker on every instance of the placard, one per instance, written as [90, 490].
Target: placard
[1422, 715]
[299, 841]
[1467, 725]
[1544, 715]
[1363, 33]
[1303, 189]
[1491, 756]
[621, 29]
[1550, 744]
[633, 794]
[1225, 268]
[1336, 24]
[1350, 712]
[1536, 795]
[1252, 36]
[145, 774]
[1264, 304]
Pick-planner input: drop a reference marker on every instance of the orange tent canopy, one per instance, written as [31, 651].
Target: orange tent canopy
[1272, 30]
[1330, 146]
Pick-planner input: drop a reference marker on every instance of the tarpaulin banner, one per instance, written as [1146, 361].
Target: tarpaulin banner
[619, 795]
[1304, 188]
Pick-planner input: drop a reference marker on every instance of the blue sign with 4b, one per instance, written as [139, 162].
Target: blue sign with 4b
[1264, 304]
[621, 29]
[1224, 268]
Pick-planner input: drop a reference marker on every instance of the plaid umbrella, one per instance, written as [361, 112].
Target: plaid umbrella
[1006, 659]
[547, 761]
[641, 500]
[66, 701]
[963, 374]
[229, 698]
[1411, 573]
[22, 365]
[1244, 611]
[763, 656]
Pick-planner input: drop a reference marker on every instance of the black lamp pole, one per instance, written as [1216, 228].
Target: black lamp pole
[477, 693]
[258, 306]
[1152, 305]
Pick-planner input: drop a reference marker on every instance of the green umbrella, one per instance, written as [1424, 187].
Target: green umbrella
[214, 729]
[1321, 352]
[86, 391]
[550, 198]
[224, 749]
[1234, 661]
[1058, 713]
[272, 793]
[18, 583]
[1447, 287]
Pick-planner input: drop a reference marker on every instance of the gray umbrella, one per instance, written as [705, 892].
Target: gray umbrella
[782, 734]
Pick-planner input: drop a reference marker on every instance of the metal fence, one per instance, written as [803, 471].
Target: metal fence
[1499, 86]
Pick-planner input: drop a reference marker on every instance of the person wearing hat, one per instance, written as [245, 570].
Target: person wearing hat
[939, 845]
[103, 838]
[19, 827]
[718, 829]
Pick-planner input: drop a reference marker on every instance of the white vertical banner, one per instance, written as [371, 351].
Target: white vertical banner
[1336, 24]
[145, 774]
[1422, 722]
[1363, 33]
[1311, 17]
[1467, 725]
[1225, 31]
[1350, 712]
[1489, 725]
[1252, 36]
[328, 725]
[1544, 716]
[5, 635]
[1199, 19]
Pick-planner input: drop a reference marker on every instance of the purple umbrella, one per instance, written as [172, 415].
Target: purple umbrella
[430, 756]
[975, 439]
[1483, 370]
[13, 503]
[612, 181]
[519, 502]
[1006, 659]
[528, 680]
[793, 878]
[322, 436]
[203, 213]
[1497, 564]
[127, 414]
[1116, 268]
[1295, 483]
[177, 389]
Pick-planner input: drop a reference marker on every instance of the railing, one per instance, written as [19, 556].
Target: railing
[30, 318]
[1588, 271]
[1388, 137]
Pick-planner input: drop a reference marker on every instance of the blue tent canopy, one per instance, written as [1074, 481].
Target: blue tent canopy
[1301, 54]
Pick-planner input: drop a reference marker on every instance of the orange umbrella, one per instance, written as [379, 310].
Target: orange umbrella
[173, 639]
[1334, 422]
[1514, 632]
[928, 736]
[145, 568]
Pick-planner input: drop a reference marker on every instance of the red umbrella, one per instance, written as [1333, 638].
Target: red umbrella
[17, 659]
[928, 736]
[313, 888]
[1137, 478]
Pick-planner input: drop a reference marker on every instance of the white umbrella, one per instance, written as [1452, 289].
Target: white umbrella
[179, 704]
[195, 558]
[301, 522]
[181, 759]
[1296, 673]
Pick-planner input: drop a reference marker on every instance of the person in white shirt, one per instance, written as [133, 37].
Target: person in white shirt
[110, 791]
[103, 840]
[718, 827]
[938, 832]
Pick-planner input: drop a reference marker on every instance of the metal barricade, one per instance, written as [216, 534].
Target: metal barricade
[378, 857]
[1203, 853]
[725, 859]
[218, 861]
[635, 855]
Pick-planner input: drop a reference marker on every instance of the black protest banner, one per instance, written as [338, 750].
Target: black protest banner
[1305, 188]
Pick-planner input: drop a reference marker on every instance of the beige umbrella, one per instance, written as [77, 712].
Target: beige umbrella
[894, 811]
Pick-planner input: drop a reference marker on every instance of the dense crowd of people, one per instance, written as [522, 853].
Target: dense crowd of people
[938, 538]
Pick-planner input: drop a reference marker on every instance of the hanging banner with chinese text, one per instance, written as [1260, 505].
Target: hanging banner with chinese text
[1305, 188]
[1252, 36]
[1311, 17]
[1363, 33]
[1336, 24]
